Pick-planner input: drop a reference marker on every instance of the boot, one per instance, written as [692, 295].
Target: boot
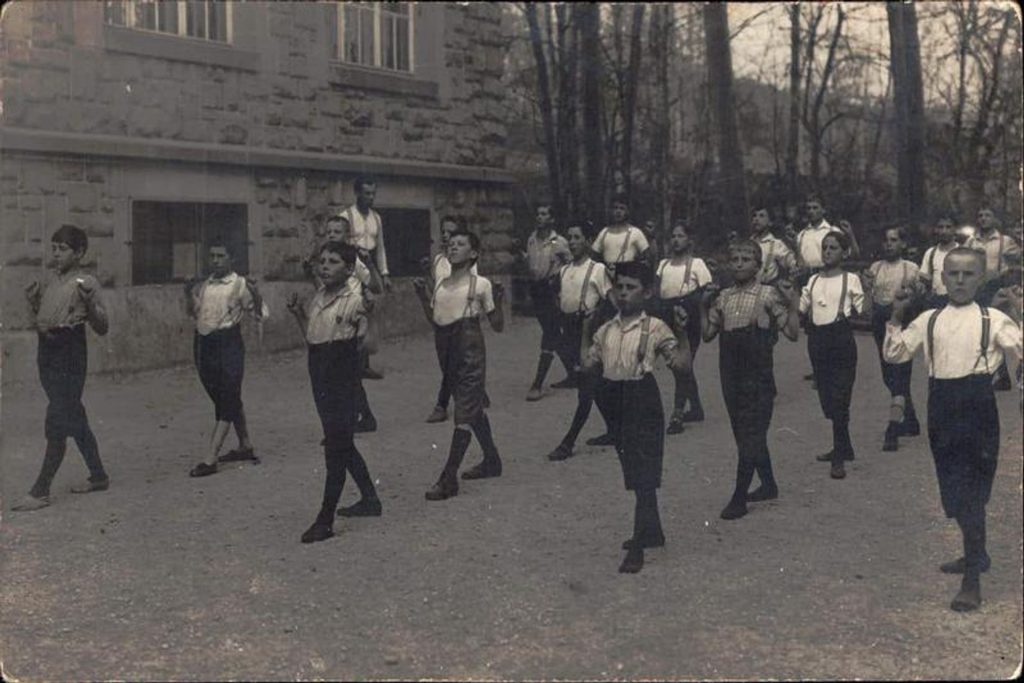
[969, 597]
[446, 487]
[890, 442]
[910, 426]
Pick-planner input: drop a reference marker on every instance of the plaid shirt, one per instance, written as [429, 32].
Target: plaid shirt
[738, 307]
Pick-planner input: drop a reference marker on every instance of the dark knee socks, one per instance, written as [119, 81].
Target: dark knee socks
[682, 390]
[543, 365]
[744, 475]
[972, 527]
[763, 466]
[54, 456]
[90, 450]
[646, 518]
[361, 475]
[460, 443]
[482, 428]
[578, 420]
[841, 440]
[336, 458]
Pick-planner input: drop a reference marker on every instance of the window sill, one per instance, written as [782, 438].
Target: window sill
[178, 48]
[381, 80]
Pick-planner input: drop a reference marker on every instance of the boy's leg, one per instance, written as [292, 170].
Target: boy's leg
[768, 489]
[607, 403]
[745, 467]
[491, 464]
[369, 503]
[54, 456]
[448, 484]
[366, 420]
[647, 530]
[972, 528]
[336, 454]
[584, 402]
[242, 431]
[696, 411]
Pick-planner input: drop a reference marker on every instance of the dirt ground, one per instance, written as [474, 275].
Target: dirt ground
[166, 577]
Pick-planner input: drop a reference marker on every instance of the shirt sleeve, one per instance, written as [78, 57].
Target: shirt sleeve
[701, 272]
[594, 353]
[856, 293]
[562, 250]
[641, 242]
[924, 270]
[602, 281]
[382, 257]
[899, 345]
[805, 297]
[485, 295]
[715, 312]
[776, 307]
[662, 338]
[598, 244]
[784, 256]
[361, 272]
[1007, 334]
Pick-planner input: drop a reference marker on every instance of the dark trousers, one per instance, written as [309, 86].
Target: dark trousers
[635, 416]
[746, 368]
[220, 360]
[464, 363]
[895, 375]
[444, 393]
[572, 329]
[62, 361]
[833, 353]
[334, 370]
[545, 307]
[686, 388]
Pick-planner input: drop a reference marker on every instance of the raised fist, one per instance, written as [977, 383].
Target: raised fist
[499, 291]
[681, 316]
[710, 293]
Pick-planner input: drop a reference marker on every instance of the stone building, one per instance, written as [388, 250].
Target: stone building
[156, 126]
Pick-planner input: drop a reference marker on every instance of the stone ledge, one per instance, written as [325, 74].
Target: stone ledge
[381, 80]
[177, 48]
[120, 147]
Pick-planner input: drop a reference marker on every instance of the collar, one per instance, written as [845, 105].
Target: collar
[994, 235]
[348, 289]
[550, 239]
[584, 261]
[751, 286]
[823, 225]
[626, 327]
[226, 280]
[766, 237]
[355, 210]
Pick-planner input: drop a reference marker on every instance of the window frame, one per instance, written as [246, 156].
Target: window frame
[378, 56]
[182, 17]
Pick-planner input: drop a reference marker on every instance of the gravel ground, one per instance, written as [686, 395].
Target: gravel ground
[166, 577]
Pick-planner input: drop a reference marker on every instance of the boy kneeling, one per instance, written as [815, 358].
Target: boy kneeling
[624, 350]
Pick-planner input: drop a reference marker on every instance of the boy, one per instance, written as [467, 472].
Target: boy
[218, 304]
[455, 310]
[963, 343]
[884, 280]
[680, 281]
[624, 351]
[583, 288]
[546, 252]
[620, 241]
[777, 258]
[748, 316]
[931, 263]
[61, 310]
[440, 268]
[333, 328]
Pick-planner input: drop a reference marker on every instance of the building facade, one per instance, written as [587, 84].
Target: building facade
[158, 126]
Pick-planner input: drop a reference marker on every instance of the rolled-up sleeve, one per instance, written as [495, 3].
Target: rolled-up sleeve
[900, 345]
[1008, 337]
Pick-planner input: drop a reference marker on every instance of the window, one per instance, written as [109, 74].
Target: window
[374, 34]
[406, 240]
[203, 19]
[170, 240]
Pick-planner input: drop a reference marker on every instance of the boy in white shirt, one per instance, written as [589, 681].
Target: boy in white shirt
[930, 272]
[620, 241]
[455, 309]
[963, 343]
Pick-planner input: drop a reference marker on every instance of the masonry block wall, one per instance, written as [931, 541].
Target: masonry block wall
[94, 116]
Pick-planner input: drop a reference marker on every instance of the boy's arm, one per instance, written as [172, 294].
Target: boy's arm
[789, 298]
[591, 360]
[376, 283]
[298, 312]
[420, 287]
[34, 295]
[96, 313]
[900, 344]
[255, 302]
[497, 315]
[709, 325]
[677, 351]
[845, 226]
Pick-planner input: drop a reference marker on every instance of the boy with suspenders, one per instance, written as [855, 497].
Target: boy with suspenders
[579, 304]
[963, 343]
[885, 279]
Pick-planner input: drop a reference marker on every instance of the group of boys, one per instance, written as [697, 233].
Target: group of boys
[607, 313]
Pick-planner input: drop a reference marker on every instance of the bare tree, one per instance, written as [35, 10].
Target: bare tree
[546, 110]
[908, 91]
[812, 109]
[793, 136]
[592, 68]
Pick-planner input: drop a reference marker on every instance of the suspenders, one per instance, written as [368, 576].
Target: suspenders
[686, 273]
[841, 311]
[468, 310]
[625, 245]
[986, 331]
[583, 292]
[645, 336]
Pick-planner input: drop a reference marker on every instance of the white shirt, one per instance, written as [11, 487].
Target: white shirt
[337, 316]
[220, 303]
[824, 292]
[957, 341]
[452, 301]
[808, 243]
[680, 280]
[931, 266]
[774, 253]
[889, 278]
[572, 297]
[545, 256]
[367, 232]
[443, 268]
[616, 247]
[994, 246]
[617, 347]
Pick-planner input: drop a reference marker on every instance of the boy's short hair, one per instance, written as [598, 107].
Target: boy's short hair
[346, 251]
[583, 227]
[621, 198]
[816, 199]
[638, 270]
[747, 245]
[71, 235]
[474, 239]
[219, 241]
[840, 236]
[362, 180]
[966, 251]
[945, 215]
[459, 221]
[901, 231]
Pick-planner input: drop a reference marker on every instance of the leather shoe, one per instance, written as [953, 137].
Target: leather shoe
[534, 394]
[363, 508]
[483, 470]
[439, 414]
[562, 452]
[633, 562]
[959, 565]
[570, 382]
[694, 415]
[838, 471]
[30, 503]
[646, 542]
[734, 510]
[317, 532]
[603, 440]
[443, 489]
[88, 486]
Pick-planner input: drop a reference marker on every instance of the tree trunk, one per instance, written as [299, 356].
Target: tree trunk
[568, 127]
[908, 93]
[593, 146]
[793, 137]
[630, 90]
[547, 115]
[719, 60]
